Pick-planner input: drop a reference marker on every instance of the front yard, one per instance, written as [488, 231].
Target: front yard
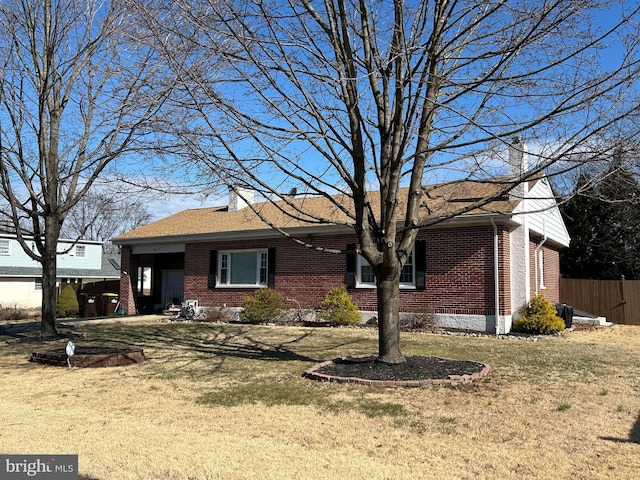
[228, 402]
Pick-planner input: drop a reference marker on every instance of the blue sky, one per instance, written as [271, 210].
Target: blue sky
[174, 203]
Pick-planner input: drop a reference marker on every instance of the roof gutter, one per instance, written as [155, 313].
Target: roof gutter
[326, 229]
[536, 259]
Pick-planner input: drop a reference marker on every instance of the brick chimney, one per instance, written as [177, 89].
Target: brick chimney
[518, 165]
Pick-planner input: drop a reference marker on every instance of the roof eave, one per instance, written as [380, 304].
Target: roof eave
[470, 219]
[232, 235]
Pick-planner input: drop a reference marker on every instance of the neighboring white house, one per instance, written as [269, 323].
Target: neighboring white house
[21, 276]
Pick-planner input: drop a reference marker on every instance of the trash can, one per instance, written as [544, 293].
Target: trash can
[88, 305]
[109, 303]
[565, 312]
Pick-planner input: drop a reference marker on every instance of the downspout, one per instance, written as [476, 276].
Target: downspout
[496, 280]
[536, 251]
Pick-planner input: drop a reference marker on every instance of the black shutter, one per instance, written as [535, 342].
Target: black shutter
[271, 268]
[420, 253]
[213, 269]
[350, 277]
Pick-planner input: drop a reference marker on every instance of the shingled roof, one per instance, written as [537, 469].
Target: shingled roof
[109, 269]
[319, 212]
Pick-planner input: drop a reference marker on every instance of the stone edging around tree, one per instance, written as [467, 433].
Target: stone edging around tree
[451, 380]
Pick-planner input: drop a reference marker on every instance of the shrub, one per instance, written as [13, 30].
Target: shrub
[67, 305]
[297, 314]
[13, 313]
[539, 317]
[338, 309]
[423, 319]
[265, 305]
[218, 315]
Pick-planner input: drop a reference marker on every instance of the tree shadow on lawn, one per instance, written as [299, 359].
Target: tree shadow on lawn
[634, 434]
[28, 332]
[192, 344]
[189, 345]
[18, 330]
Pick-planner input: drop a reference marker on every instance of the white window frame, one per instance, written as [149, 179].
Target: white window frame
[359, 282]
[37, 284]
[403, 285]
[79, 249]
[225, 268]
[7, 242]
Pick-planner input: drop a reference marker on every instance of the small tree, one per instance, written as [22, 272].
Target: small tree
[67, 305]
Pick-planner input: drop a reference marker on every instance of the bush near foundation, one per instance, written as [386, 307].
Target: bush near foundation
[217, 315]
[67, 305]
[265, 306]
[338, 309]
[539, 317]
[14, 313]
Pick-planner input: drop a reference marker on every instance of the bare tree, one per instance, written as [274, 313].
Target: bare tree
[362, 97]
[76, 95]
[101, 215]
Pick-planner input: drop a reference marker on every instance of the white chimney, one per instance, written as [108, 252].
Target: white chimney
[239, 198]
[518, 166]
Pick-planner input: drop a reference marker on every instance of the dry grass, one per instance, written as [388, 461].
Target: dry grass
[228, 402]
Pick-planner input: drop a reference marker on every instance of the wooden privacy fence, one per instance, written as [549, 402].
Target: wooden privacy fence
[618, 300]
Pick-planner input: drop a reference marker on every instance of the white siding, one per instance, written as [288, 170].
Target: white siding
[92, 258]
[19, 292]
[18, 289]
[544, 216]
[18, 257]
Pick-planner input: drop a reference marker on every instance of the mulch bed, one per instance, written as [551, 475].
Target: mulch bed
[90, 356]
[93, 350]
[418, 370]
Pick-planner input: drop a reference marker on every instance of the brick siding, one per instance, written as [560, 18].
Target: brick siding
[551, 264]
[459, 272]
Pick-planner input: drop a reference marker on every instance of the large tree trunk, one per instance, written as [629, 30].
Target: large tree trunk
[388, 319]
[48, 327]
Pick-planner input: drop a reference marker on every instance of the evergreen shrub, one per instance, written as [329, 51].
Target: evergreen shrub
[538, 317]
[67, 305]
[264, 306]
[338, 309]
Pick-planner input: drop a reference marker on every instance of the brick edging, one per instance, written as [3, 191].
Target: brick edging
[452, 380]
[127, 356]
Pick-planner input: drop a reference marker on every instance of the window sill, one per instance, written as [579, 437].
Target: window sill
[365, 286]
[244, 285]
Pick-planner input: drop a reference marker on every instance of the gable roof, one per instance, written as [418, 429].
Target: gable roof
[545, 218]
[336, 211]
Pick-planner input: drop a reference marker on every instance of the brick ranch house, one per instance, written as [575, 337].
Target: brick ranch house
[462, 271]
